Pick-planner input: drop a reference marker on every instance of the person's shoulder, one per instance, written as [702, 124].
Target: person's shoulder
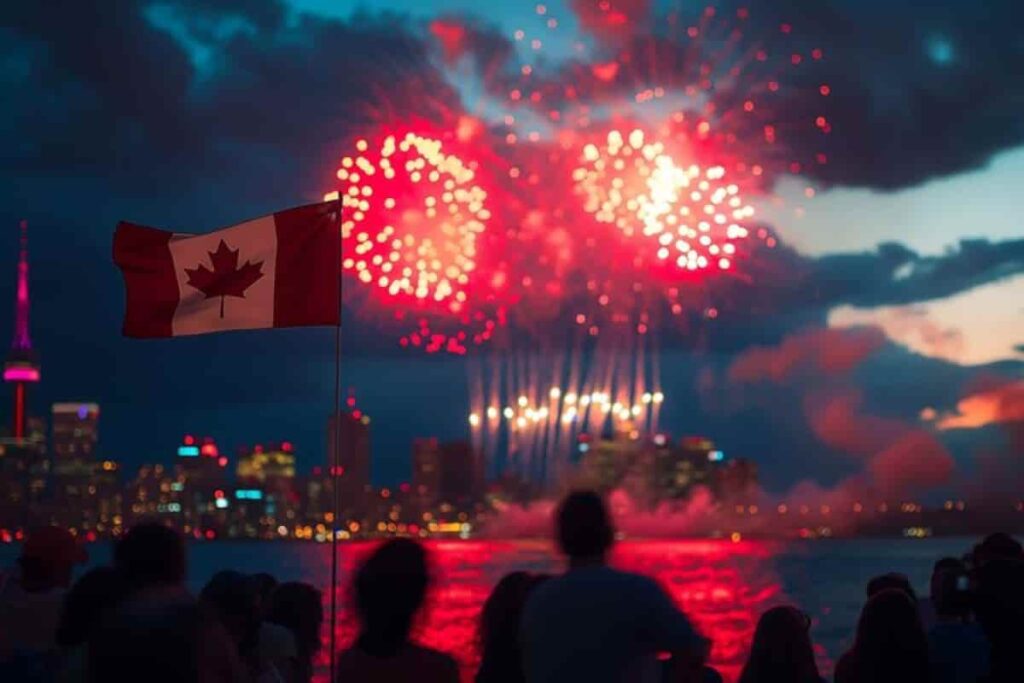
[431, 656]
[637, 584]
[432, 664]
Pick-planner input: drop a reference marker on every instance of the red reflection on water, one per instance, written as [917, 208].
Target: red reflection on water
[722, 586]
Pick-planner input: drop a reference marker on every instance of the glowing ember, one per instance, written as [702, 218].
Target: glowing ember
[413, 215]
[691, 216]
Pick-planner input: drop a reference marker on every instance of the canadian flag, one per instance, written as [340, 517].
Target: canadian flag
[280, 270]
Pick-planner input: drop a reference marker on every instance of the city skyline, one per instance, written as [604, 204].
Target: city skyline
[919, 240]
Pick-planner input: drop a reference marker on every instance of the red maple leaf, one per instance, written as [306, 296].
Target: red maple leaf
[226, 278]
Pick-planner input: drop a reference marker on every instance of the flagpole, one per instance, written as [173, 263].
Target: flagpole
[335, 463]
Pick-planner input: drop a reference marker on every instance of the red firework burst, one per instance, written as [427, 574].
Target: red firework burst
[689, 216]
[416, 215]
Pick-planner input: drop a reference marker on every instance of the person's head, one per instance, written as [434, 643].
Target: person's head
[48, 558]
[584, 527]
[151, 555]
[499, 624]
[97, 593]
[997, 546]
[781, 650]
[891, 644]
[232, 597]
[890, 581]
[390, 587]
[265, 585]
[299, 608]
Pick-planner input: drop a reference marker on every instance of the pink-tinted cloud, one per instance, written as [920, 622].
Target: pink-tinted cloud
[829, 351]
[913, 463]
[837, 421]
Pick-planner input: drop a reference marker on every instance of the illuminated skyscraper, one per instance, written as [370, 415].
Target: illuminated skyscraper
[445, 472]
[75, 432]
[461, 473]
[201, 461]
[80, 485]
[426, 470]
[354, 459]
[22, 365]
[604, 462]
[269, 465]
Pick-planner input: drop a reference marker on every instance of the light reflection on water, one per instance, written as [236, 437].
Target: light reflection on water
[723, 586]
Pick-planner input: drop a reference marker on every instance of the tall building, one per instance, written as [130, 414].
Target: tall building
[79, 483]
[201, 461]
[737, 479]
[426, 470]
[354, 457]
[445, 472]
[693, 462]
[75, 433]
[22, 365]
[461, 473]
[604, 463]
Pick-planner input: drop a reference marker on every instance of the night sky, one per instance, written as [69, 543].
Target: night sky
[888, 333]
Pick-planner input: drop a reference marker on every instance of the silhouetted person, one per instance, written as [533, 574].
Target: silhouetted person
[595, 623]
[995, 547]
[958, 648]
[266, 584]
[501, 659]
[160, 637]
[390, 587]
[889, 581]
[31, 600]
[999, 604]
[93, 598]
[151, 557]
[890, 646]
[781, 651]
[233, 597]
[298, 607]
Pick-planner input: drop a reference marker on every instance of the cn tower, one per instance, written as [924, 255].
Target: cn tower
[22, 365]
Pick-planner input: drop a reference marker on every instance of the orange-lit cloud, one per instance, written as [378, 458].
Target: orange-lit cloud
[1002, 404]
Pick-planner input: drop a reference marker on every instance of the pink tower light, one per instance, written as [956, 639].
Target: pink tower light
[22, 342]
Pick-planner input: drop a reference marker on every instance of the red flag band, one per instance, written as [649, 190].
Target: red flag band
[280, 270]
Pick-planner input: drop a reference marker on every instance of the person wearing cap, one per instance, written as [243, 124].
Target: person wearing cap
[32, 595]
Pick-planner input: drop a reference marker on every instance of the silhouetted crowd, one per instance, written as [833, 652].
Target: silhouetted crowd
[135, 621]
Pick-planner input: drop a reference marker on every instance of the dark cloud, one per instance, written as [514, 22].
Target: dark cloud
[916, 92]
[228, 89]
[890, 274]
[893, 274]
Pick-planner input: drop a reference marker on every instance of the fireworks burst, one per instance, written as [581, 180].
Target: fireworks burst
[414, 214]
[692, 216]
[667, 134]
